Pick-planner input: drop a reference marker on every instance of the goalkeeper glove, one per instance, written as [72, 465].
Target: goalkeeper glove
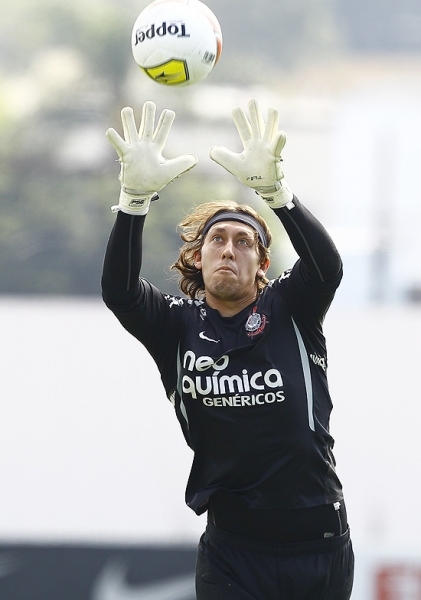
[259, 166]
[144, 171]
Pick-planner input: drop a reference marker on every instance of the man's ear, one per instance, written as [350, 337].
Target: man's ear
[198, 259]
[264, 266]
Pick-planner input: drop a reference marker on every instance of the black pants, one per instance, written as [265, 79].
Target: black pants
[231, 567]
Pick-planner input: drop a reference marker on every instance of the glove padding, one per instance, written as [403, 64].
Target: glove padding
[259, 166]
[144, 171]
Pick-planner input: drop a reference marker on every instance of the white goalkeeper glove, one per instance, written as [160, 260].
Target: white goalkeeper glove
[259, 166]
[144, 171]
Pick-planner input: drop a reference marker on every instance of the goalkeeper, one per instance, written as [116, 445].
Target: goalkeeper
[243, 360]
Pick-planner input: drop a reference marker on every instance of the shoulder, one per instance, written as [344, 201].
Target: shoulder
[179, 302]
[275, 283]
[278, 284]
[184, 310]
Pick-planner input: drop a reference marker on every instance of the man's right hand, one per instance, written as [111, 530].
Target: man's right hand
[144, 170]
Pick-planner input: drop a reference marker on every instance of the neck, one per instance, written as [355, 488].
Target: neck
[229, 308]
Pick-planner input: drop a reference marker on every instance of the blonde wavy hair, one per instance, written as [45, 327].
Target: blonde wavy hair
[190, 279]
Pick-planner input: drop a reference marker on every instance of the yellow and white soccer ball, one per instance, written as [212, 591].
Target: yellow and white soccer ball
[177, 42]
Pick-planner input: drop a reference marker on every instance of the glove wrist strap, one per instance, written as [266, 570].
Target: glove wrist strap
[133, 202]
[279, 196]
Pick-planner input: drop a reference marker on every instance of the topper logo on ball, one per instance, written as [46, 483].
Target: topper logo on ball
[162, 30]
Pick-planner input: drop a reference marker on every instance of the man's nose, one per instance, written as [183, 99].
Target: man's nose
[228, 250]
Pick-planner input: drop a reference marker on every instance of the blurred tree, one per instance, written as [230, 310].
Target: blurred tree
[54, 224]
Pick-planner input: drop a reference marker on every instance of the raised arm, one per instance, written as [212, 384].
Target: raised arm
[122, 263]
[144, 172]
[259, 166]
[321, 263]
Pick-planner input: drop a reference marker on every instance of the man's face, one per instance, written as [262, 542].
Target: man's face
[230, 262]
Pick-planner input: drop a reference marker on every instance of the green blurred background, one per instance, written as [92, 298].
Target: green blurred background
[66, 70]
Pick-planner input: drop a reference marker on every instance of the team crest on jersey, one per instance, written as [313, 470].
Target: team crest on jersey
[256, 323]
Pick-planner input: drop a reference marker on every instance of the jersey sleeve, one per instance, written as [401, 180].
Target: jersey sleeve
[311, 284]
[140, 307]
[122, 263]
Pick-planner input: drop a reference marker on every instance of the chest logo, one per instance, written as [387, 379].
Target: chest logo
[203, 336]
[256, 323]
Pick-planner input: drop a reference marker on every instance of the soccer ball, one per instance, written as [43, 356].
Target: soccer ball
[176, 42]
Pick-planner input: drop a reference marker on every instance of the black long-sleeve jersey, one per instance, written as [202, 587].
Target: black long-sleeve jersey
[250, 391]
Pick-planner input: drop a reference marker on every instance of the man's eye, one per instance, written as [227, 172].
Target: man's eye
[244, 242]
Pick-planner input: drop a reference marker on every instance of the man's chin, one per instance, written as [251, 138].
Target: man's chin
[225, 290]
